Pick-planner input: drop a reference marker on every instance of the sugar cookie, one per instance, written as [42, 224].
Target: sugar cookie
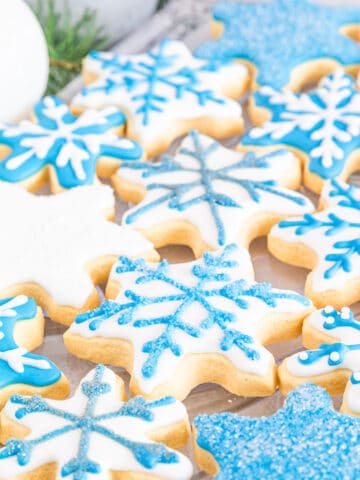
[334, 361]
[305, 439]
[54, 248]
[176, 326]
[328, 243]
[22, 329]
[95, 435]
[68, 150]
[165, 93]
[207, 196]
[285, 42]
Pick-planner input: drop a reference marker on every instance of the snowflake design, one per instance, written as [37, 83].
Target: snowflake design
[53, 242]
[71, 145]
[341, 355]
[217, 190]
[295, 442]
[333, 234]
[279, 35]
[94, 433]
[17, 366]
[324, 124]
[207, 306]
[160, 87]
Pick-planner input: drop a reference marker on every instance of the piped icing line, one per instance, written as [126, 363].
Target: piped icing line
[218, 190]
[208, 306]
[164, 85]
[94, 433]
[52, 240]
[342, 354]
[332, 233]
[280, 35]
[293, 443]
[17, 366]
[70, 145]
[324, 124]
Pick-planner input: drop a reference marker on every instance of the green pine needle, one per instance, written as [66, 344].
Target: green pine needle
[68, 41]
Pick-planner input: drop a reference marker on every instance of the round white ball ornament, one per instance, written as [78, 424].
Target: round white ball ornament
[24, 60]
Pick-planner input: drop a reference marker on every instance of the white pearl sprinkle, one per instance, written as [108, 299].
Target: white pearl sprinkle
[356, 376]
[345, 313]
[2, 335]
[328, 309]
[334, 356]
[303, 356]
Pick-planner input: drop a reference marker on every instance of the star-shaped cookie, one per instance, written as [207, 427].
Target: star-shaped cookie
[322, 127]
[176, 326]
[68, 150]
[328, 243]
[207, 196]
[305, 439]
[285, 42]
[54, 248]
[95, 435]
[165, 93]
[21, 330]
[334, 359]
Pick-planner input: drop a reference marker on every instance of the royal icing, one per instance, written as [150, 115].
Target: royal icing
[278, 35]
[216, 189]
[333, 234]
[71, 145]
[94, 434]
[343, 353]
[50, 240]
[205, 306]
[164, 85]
[17, 366]
[305, 439]
[324, 124]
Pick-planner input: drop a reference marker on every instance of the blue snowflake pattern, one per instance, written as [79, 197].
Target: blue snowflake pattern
[164, 326]
[279, 35]
[70, 145]
[293, 443]
[95, 417]
[206, 181]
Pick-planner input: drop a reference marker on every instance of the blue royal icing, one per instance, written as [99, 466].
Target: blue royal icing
[90, 421]
[70, 145]
[278, 35]
[305, 439]
[205, 184]
[324, 124]
[16, 365]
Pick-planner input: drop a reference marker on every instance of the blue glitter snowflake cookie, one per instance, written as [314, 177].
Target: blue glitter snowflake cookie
[21, 330]
[285, 42]
[175, 326]
[210, 194]
[94, 435]
[328, 243]
[68, 150]
[333, 358]
[165, 93]
[321, 127]
[305, 439]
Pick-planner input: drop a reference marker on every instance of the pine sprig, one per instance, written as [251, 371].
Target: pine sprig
[68, 41]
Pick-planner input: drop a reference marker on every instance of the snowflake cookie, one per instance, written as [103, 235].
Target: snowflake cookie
[55, 248]
[22, 329]
[95, 435]
[285, 42]
[334, 360]
[207, 196]
[177, 326]
[322, 127]
[305, 439]
[165, 93]
[68, 150]
[328, 242]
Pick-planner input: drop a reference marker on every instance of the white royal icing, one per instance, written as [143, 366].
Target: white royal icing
[50, 240]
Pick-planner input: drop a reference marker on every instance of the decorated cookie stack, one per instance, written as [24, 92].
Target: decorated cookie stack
[173, 326]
